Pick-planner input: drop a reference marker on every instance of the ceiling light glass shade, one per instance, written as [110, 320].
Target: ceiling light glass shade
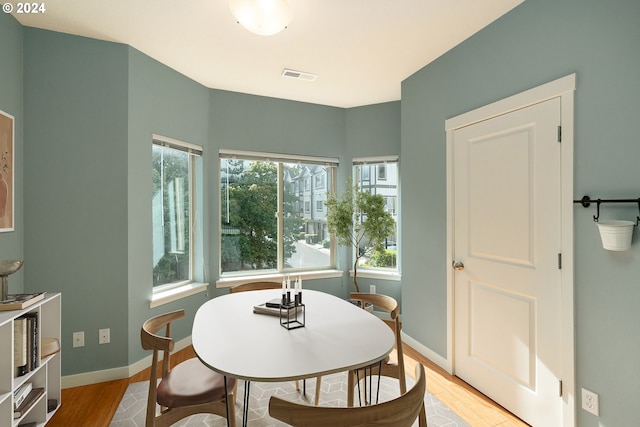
[262, 17]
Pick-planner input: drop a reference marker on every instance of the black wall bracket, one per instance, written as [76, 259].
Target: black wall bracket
[586, 202]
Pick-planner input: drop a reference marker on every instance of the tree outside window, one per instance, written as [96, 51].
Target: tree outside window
[265, 219]
[384, 182]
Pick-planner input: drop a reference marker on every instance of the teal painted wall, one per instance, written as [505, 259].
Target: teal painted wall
[373, 130]
[11, 102]
[164, 102]
[75, 102]
[540, 41]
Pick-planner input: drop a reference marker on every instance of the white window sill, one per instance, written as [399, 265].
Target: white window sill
[228, 282]
[174, 294]
[374, 274]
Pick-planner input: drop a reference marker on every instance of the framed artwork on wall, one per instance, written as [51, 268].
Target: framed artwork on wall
[7, 146]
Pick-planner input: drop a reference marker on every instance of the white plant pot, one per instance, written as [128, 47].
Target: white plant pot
[616, 235]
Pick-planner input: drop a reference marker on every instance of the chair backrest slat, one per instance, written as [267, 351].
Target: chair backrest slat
[255, 286]
[399, 412]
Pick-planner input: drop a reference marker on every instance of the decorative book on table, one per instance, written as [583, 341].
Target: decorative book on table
[273, 309]
[20, 301]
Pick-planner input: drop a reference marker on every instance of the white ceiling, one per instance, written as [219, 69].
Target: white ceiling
[361, 49]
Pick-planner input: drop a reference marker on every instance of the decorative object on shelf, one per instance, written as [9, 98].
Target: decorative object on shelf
[49, 346]
[616, 235]
[20, 301]
[292, 312]
[262, 17]
[8, 267]
[6, 171]
[359, 220]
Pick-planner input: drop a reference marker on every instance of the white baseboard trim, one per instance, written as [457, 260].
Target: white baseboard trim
[95, 377]
[443, 362]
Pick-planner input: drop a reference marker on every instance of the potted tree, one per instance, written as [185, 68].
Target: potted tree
[359, 220]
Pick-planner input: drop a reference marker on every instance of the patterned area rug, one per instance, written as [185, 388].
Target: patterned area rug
[131, 411]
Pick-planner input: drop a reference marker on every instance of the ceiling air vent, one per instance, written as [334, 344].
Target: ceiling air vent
[298, 75]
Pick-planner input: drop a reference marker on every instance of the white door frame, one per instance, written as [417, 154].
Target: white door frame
[563, 88]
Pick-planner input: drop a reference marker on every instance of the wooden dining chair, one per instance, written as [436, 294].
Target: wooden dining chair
[386, 368]
[189, 387]
[257, 286]
[399, 412]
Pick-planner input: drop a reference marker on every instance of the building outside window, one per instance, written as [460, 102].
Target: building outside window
[174, 163]
[266, 221]
[379, 175]
[382, 172]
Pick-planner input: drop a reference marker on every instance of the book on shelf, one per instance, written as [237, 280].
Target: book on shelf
[26, 343]
[20, 346]
[33, 396]
[32, 341]
[20, 301]
[273, 311]
[20, 394]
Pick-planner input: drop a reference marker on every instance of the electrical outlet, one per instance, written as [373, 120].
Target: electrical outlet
[104, 336]
[78, 339]
[372, 289]
[590, 402]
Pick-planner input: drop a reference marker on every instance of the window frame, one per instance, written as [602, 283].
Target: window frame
[305, 187]
[360, 164]
[167, 292]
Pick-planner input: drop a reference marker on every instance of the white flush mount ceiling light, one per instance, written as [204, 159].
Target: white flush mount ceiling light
[262, 17]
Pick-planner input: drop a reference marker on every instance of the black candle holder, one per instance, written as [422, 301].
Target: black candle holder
[292, 313]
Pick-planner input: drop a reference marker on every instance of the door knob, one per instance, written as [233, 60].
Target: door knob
[457, 265]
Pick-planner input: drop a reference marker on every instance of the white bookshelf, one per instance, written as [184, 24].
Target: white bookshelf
[46, 375]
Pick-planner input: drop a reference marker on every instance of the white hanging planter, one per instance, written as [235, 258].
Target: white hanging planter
[616, 235]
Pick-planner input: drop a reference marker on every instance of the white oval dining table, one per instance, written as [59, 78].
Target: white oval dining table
[338, 336]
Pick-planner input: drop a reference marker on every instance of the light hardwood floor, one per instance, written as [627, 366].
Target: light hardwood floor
[94, 405]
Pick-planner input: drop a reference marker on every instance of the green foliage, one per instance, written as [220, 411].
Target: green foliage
[252, 240]
[385, 258]
[360, 220]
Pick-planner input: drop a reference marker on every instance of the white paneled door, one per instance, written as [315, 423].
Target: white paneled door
[507, 241]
